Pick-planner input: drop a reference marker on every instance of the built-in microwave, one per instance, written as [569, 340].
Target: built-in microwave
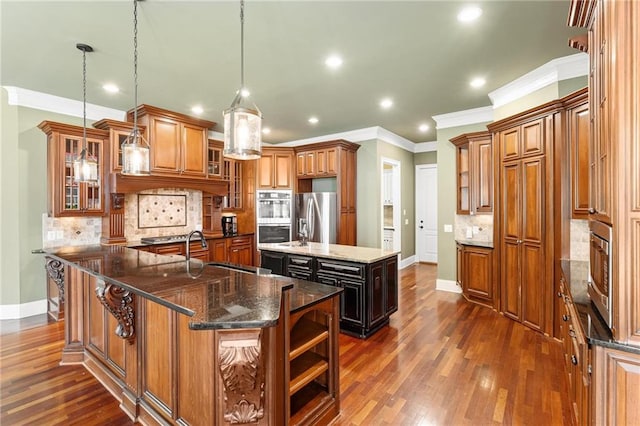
[600, 268]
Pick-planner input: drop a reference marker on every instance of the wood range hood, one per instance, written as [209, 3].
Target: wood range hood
[119, 183]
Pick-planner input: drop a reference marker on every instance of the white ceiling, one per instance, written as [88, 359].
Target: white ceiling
[416, 53]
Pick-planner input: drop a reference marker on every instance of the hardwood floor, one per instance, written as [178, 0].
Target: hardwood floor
[442, 361]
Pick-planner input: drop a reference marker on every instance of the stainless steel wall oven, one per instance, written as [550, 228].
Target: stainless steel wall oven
[274, 215]
[600, 268]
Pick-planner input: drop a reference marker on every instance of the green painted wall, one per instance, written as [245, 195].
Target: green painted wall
[425, 158]
[369, 187]
[446, 155]
[571, 85]
[23, 201]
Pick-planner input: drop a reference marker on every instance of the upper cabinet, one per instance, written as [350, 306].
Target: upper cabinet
[312, 161]
[66, 197]
[578, 127]
[178, 143]
[214, 159]
[275, 169]
[474, 163]
[119, 131]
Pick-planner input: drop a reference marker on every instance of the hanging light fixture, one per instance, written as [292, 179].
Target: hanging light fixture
[135, 149]
[85, 166]
[242, 124]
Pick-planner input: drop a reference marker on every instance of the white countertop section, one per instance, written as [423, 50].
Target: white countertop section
[331, 251]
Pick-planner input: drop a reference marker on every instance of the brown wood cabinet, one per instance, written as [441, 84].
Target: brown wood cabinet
[475, 272]
[178, 143]
[525, 213]
[578, 129]
[474, 164]
[614, 43]
[214, 159]
[119, 131]
[275, 169]
[341, 156]
[66, 197]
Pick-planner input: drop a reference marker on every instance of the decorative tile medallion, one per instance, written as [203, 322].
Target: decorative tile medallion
[161, 210]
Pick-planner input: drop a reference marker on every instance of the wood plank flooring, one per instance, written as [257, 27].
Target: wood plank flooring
[441, 361]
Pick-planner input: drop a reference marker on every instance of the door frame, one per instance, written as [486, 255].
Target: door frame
[397, 201]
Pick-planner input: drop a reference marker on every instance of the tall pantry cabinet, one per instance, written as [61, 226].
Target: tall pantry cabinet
[524, 213]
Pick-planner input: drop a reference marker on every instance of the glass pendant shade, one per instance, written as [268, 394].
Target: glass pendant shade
[135, 155]
[85, 169]
[242, 131]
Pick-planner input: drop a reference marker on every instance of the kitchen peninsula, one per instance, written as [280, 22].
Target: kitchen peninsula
[183, 342]
[369, 277]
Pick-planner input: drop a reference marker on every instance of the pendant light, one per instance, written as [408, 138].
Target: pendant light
[85, 166]
[135, 149]
[242, 124]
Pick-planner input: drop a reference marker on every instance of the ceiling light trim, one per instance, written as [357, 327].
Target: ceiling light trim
[556, 70]
[463, 118]
[18, 96]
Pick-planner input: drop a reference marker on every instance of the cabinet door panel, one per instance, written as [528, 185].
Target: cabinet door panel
[165, 154]
[510, 295]
[265, 171]
[532, 285]
[218, 250]
[511, 203]
[482, 179]
[479, 266]
[510, 143]
[579, 125]
[533, 138]
[376, 294]
[321, 163]
[332, 158]
[533, 180]
[391, 285]
[282, 173]
[351, 308]
[194, 145]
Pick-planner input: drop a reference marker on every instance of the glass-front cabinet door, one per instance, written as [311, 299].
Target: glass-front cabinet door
[80, 198]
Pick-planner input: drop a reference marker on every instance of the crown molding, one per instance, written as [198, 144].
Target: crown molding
[43, 101]
[426, 147]
[556, 70]
[464, 118]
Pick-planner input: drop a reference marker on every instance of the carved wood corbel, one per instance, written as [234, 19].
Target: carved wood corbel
[119, 302]
[241, 364]
[55, 270]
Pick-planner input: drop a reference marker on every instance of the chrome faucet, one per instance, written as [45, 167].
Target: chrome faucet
[202, 240]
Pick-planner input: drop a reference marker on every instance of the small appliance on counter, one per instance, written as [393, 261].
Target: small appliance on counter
[229, 225]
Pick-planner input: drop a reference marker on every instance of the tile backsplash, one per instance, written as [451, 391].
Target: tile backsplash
[465, 223]
[162, 212]
[579, 246]
[70, 231]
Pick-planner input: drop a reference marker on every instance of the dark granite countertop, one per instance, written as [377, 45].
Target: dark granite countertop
[596, 331]
[476, 243]
[215, 297]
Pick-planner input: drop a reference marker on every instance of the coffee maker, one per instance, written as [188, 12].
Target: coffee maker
[229, 225]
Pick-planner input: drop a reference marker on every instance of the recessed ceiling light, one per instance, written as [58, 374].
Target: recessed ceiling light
[266, 130]
[477, 82]
[470, 13]
[333, 61]
[313, 120]
[111, 88]
[423, 127]
[386, 103]
[197, 109]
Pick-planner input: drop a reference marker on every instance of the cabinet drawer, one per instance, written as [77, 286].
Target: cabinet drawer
[302, 275]
[170, 249]
[240, 240]
[300, 262]
[352, 270]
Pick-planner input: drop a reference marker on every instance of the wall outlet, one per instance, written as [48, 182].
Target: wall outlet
[448, 228]
[59, 234]
[51, 235]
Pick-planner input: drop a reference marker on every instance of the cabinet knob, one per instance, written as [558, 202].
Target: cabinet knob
[565, 317]
[559, 294]
[592, 210]
[574, 360]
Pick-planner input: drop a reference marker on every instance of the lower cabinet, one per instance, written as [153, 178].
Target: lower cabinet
[238, 250]
[370, 289]
[475, 274]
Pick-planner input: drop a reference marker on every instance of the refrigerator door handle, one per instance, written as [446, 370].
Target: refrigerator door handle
[310, 218]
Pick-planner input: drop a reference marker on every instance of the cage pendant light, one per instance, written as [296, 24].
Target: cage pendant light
[242, 124]
[85, 166]
[135, 149]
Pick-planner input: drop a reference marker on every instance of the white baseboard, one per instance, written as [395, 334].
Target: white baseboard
[23, 310]
[448, 285]
[407, 262]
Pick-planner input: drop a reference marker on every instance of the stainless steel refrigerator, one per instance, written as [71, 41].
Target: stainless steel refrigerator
[318, 210]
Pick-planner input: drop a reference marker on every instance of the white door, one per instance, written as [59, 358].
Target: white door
[427, 213]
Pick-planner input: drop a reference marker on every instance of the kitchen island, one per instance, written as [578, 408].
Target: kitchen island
[368, 276]
[183, 342]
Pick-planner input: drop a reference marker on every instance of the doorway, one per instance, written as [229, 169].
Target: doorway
[391, 204]
[427, 213]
